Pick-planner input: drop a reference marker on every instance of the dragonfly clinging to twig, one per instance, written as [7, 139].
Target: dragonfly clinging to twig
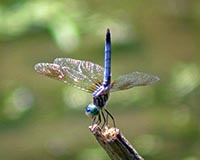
[93, 78]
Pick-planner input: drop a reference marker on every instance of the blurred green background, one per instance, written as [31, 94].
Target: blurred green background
[42, 118]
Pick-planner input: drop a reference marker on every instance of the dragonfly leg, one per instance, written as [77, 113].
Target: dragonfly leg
[109, 114]
[94, 120]
[97, 121]
[104, 119]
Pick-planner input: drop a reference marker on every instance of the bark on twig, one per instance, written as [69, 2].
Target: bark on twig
[114, 143]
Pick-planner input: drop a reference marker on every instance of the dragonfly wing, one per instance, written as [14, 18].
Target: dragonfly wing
[94, 72]
[68, 75]
[79, 80]
[133, 79]
[50, 70]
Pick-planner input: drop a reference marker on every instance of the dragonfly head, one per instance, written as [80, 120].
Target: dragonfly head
[91, 110]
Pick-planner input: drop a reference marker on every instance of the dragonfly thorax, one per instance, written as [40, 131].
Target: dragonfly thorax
[101, 100]
[100, 96]
[101, 90]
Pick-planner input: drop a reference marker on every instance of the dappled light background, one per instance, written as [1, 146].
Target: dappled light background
[41, 118]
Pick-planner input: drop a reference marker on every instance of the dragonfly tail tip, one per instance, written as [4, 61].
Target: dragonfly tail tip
[108, 30]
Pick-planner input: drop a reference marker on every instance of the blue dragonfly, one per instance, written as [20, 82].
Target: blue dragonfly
[93, 78]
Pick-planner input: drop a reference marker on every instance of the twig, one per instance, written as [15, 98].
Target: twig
[114, 143]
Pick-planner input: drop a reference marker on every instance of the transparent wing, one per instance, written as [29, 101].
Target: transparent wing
[93, 71]
[50, 70]
[133, 79]
[81, 74]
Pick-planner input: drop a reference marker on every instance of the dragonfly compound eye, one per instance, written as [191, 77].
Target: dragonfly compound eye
[91, 110]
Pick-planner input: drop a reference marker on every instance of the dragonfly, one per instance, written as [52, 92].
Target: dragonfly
[95, 79]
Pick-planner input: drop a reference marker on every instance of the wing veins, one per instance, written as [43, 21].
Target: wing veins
[132, 80]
